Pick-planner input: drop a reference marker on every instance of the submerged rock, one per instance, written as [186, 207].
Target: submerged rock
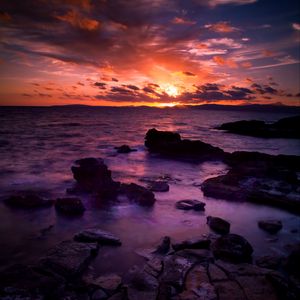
[158, 186]
[124, 149]
[27, 201]
[271, 226]
[170, 144]
[233, 248]
[92, 175]
[218, 225]
[190, 204]
[69, 206]
[138, 194]
[69, 258]
[97, 235]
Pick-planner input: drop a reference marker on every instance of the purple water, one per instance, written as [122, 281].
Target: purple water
[39, 145]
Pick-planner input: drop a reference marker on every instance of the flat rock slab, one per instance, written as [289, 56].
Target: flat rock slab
[97, 235]
[195, 243]
[108, 283]
[271, 226]
[69, 258]
[190, 205]
[218, 225]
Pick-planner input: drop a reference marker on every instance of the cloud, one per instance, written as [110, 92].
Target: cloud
[76, 20]
[188, 73]
[296, 26]
[281, 61]
[214, 3]
[182, 21]
[221, 27]
[225, 62]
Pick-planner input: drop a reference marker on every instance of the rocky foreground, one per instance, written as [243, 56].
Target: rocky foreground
[284, 128]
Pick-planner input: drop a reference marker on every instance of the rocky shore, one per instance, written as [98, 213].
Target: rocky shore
[217, 266]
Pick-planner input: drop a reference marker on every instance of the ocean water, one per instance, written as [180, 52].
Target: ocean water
[39, 145]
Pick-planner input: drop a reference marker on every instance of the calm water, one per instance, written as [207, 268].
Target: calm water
[39, 145]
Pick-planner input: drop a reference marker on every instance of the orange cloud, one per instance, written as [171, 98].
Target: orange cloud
[76, 20]
[225, 62]
[246, 64]
[221, 27]
[182, 21]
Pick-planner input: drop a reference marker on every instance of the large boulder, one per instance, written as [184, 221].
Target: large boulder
[69, 206]
[233, 248]
[97, 235]
[219, 225]
[170, 144]
[92, 175]
[190, 204]
[27, 201]
[271, 226]
[69, 258]
[138, 194]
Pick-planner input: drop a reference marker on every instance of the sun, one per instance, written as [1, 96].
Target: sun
[171, 90]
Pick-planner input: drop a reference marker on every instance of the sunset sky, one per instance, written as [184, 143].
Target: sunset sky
[149, 52]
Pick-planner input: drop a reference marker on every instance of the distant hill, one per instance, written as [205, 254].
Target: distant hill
[251, 107]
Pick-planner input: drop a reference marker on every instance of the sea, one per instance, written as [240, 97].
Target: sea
[38, 146]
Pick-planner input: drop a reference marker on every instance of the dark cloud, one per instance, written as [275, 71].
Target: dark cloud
[132, 87]
[188, 73]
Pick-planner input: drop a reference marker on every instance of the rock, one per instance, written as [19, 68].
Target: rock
[124, 149]
[233, 248]
[97, 235]
[28, 201]
[170, 144]
[154, 266]
[216, 273]
[158, 186]
[218, 225]
[196, 243]
[271, 226]
[68, 258]
[69, 206]
[229, 290]
[190, 204]
[109, 283]
[284, 128]
[175, 270]
[164, 247]
[293, 261]
[23, 282]
[269, 261]
[196, 255]
[198, 286]
[99, 295]
[92, 175]
[138, 194]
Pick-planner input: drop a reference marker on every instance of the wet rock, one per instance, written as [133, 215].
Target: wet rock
[27, 201]
[269, 261]
[92, 175]
[218, 225]
[196, 255]
[195, 243]
[109, 283]
[97, 235]
[170, 144]
[175, 270]
[154, 267]
[271, 226]
[233, 248]
[158, 186]
[23, 282]
[229, 290]
[68, 258]
[164, 247]
[138, 194]
[99, 295]
[216, 273]
[198, 286]
[190, 205]
[284, 128]
[69, 206]
[293, 261]
[124, 149]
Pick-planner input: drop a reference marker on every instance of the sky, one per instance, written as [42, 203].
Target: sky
[149, 52]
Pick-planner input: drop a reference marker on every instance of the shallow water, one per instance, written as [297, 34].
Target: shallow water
[39, 145]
